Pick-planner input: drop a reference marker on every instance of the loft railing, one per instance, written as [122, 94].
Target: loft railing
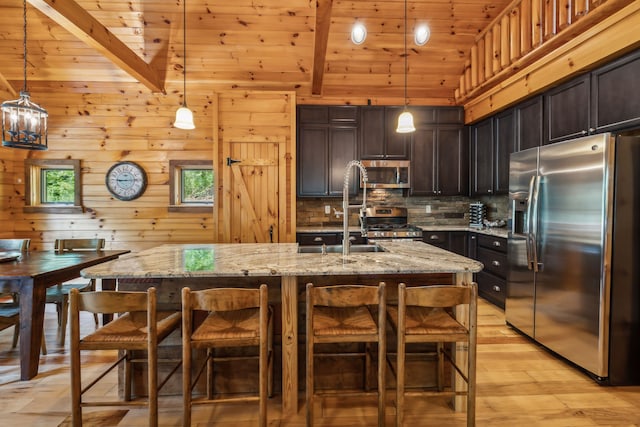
[525, 31]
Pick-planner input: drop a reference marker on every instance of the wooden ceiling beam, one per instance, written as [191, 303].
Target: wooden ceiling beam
[72, 17]
[323, 22]
[4, 82]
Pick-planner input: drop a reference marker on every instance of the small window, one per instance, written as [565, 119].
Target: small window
[191, 185]
[52, 186]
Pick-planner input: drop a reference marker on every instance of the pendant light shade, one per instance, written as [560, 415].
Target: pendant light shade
[405, 120]
[24, 123]
[405, 123]
[184, 116]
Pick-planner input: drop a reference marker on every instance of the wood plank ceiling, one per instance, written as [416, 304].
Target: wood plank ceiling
[105, 45]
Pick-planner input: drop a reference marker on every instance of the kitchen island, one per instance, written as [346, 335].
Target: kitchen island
[169, 267]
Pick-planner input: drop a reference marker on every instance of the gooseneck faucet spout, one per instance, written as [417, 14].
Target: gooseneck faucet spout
[345, 204]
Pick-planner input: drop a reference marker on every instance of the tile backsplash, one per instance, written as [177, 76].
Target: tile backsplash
[452, 210]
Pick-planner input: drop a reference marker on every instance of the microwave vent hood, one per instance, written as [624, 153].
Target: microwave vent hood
[386, 174]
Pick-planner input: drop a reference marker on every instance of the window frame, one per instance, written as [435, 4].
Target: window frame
[34, 182]
[175, 186]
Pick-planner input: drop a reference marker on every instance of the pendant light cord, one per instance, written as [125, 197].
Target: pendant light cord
[405, 54]
[24, 15]
[184, 52]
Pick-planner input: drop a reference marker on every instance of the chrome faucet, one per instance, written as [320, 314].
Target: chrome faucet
[345, 205]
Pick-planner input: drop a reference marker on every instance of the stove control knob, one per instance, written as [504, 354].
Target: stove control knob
[395, 234]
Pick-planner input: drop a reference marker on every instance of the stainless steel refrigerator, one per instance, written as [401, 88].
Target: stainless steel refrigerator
[574, 252]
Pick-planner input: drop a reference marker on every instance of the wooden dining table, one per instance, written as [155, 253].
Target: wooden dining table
[29, 275]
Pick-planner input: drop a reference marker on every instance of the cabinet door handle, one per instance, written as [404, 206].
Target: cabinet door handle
[496, 288]
[433, 237]
[352, 238]
[584, 132]
[495, 263]
[473, 237]
[318, 239]
[496, 243]
[591, 130]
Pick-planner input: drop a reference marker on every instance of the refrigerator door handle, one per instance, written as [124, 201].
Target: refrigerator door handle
[534, 223]
[527, 224]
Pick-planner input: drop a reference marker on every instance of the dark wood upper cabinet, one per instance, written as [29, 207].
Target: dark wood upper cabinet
[528, 115]
[327, 141]
[504, 145]
[378, 136]
[439, 152]
[452, 160]
[567, 110]
[312, 152]
[482, 168]
[615, 99]
[343, 144]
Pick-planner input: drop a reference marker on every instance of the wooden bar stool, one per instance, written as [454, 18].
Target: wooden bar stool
[140, 328]
[235, 317]
[345, 314]
[427, 314]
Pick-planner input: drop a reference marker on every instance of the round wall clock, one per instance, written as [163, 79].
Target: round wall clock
[126, 180]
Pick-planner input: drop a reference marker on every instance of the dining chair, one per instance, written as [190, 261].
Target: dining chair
[17, 245]
[139, 328]
[234, 317]
[59, 294]
[444, 315]
[342, 314]
[9, 304]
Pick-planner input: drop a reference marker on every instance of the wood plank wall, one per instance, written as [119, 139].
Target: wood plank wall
[108, 125]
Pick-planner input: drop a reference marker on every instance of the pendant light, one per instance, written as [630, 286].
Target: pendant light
[405, 120]
[24, 123]
[184, 116]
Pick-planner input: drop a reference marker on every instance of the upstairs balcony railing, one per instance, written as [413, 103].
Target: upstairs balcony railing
[525, 31]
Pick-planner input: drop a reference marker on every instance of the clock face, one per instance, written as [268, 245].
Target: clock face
[126, 180]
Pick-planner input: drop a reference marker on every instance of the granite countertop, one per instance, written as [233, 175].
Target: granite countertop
[498, 232]
[280, 259]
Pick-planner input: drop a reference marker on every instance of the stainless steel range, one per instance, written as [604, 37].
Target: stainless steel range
[384, 222]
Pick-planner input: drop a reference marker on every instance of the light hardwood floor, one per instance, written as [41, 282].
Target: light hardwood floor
[519, 384]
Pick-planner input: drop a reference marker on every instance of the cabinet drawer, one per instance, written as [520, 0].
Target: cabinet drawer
[309, 239]
[492, 288]
[354, 238]
[491, 242]
[436, 238]
[494, 262]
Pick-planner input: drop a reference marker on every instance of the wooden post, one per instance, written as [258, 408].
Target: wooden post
[481, 60]
[504, 42]
[514, 35]
[289, 295]
[474, 66]
[526, 26]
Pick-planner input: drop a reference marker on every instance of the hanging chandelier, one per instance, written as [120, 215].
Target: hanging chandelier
[405, 120]
[184, 116]
[24, 123]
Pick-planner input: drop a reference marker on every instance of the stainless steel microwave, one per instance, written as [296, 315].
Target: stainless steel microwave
[386, 174]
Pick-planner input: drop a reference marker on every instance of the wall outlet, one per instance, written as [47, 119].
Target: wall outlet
[327, 209]
[427, 208]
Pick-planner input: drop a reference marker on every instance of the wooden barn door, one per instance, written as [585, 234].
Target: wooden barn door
[254, 181]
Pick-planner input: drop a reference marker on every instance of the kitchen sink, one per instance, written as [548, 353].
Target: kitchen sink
[334, 249]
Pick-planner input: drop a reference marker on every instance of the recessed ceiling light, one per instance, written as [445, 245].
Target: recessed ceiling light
[422, 34]
[358, 33]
